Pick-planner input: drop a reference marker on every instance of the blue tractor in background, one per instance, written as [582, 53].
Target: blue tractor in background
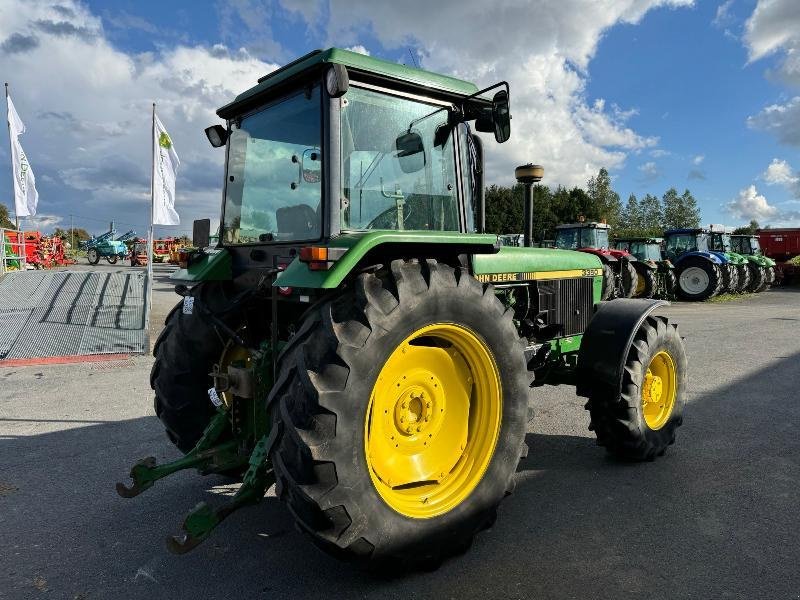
[105, 246]
[700, 272]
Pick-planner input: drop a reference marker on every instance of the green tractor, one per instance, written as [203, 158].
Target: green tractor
[761, 268]
[719, 240]
[356, 338]
[656, 274]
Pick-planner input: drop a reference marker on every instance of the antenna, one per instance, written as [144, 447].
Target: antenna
[413, 58]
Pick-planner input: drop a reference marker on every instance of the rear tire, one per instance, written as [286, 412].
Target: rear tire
[185, 353]
[698, 279]
[744, 278]
[757, 278]
[323, 402]
[646, 281]
[628, 279]
[609, 283]
[728, 284]
[640, 422]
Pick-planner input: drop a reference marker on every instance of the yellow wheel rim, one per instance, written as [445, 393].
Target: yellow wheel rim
[433, 420]
[640, 283]
[659, 390]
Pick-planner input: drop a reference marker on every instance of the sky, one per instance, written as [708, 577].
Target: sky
[697, 94]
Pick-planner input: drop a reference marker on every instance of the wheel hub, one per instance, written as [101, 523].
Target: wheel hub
[659, 390]
[433, 420]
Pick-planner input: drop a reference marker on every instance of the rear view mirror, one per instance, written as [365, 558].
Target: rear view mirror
[217, 135]
[201, 233]
[501, 116]
[410, 152]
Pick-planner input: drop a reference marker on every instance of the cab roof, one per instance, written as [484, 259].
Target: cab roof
[355, 62]
[586, 225]
[646, 240]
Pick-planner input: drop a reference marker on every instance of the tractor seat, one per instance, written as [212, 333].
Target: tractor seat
[300, 221]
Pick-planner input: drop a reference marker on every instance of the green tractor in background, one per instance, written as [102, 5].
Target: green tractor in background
[719, 240]
[656, 274]
[762, 269]
[371, 351]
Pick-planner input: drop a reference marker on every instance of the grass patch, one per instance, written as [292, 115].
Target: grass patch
[729, 297]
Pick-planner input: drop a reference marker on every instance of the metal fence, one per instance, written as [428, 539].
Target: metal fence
[12, 250]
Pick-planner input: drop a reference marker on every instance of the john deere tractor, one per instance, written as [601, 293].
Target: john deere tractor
[620, 279]
[356, 338]
[656, 275]
[761, 268]
[719, 241]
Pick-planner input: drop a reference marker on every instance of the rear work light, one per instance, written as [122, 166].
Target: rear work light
[320, 258]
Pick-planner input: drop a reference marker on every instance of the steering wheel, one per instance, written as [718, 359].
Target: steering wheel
[388, 218]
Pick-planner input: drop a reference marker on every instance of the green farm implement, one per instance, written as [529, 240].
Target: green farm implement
[357, 339]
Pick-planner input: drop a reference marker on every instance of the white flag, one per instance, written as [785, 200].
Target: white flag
[25, 195]
[165, 168]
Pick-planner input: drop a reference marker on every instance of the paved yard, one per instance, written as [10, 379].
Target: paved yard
[717, 517]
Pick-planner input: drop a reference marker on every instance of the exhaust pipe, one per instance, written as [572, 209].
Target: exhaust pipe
[527, 175]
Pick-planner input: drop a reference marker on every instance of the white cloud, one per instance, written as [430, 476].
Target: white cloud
[698, 159]
[774, 27]
[723, 17]
[87, 103]
[779, 172]
[543, 50]
[749, 204]
[87, 107]
[358, 48]
[649, 172]
[659, 153]
[782, 120]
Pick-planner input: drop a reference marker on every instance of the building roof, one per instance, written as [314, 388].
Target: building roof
[356, 62]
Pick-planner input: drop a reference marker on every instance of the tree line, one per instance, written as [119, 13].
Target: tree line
[648, 216]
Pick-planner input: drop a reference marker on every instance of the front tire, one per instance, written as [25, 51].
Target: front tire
[640, 422]
[371, 363]
[93, 256]
[112, 260]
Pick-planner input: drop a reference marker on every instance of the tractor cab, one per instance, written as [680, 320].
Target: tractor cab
[338, 145]
[682, 241]
[747, 245]
[582, 236]
[621, 279]
[644, 249]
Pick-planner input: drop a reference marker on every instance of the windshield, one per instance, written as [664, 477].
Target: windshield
[681, 243]
[755, 246]
[273, 191]
[398, 168]
[646, 251]
[581, 237]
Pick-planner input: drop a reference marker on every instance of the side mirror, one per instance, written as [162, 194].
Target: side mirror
[410, 152]
[201, 233]
[217, 135]
[337, 80]
[311, 166]
[501, 115]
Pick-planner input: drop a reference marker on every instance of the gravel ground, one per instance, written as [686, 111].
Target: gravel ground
[717, 517]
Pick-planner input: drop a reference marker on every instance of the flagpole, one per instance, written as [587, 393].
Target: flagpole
[150, 223]
[11, 149]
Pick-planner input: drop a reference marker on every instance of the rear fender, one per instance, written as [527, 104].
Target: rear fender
[707, 255]
[606, 342]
